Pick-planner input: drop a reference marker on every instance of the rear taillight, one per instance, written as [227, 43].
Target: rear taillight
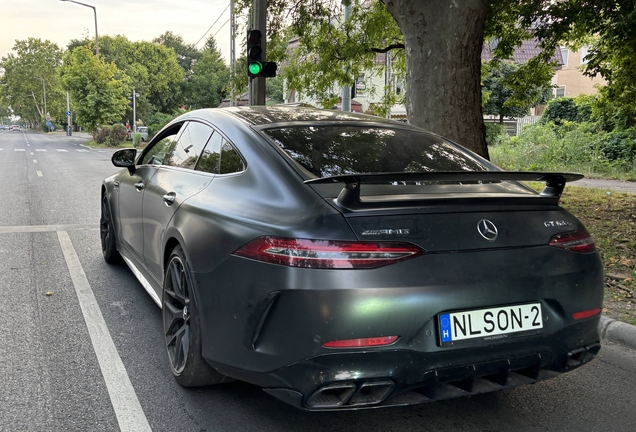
[361, 343]
[326, 254]
[586, 313]
[580, 241]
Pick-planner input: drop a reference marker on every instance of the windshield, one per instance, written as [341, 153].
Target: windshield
[325, 151]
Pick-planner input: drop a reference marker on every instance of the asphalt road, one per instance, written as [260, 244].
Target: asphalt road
[59, 372]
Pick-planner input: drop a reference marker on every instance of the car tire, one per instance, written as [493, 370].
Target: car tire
[107, 234]
[182, 328]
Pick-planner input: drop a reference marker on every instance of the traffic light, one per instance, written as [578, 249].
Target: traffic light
[256, 66]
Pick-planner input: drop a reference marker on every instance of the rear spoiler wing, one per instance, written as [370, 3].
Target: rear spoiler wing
[349, 197]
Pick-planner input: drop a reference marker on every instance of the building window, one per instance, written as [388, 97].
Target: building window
[584, 52]
[564, 55]
[559, 91]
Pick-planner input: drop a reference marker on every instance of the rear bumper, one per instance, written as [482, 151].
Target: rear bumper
[266, 324]
[348, 381]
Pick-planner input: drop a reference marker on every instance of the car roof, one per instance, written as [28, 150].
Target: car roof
[269, 115]
[259, 115]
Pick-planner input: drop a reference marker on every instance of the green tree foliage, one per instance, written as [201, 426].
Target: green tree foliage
[274, 90]
[25, 75]
[511, 94]
[97, 88]
[187, 54]
[208, 81]
[152, 68]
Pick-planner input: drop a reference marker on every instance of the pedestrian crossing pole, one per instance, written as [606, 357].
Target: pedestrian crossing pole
[69, 120]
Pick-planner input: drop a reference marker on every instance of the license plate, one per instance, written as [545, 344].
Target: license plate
[490, 323]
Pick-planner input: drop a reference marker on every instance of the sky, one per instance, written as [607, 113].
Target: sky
[61, 21]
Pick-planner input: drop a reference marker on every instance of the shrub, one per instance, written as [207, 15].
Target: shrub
[619, 145]
[100, 134]
[494, 132]
[584, 106]
[156, 122]
[560, 109]
[118, 133]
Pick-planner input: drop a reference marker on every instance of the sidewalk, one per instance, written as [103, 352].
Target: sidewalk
[614, 185]
[76, 138]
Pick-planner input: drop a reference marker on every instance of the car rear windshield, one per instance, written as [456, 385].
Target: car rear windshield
[326, 151]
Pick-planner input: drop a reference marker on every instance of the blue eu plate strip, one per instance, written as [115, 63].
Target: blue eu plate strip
[445, 327]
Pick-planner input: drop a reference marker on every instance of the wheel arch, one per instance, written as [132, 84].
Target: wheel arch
[174, 239]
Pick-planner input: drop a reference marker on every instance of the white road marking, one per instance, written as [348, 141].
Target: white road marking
[130, 415]
[40, 149]
[62, 150]
[19, 150]
[32, 153]
[35, 160]
[82, 151]
[1, 149]
[39, 173]
[45, 228]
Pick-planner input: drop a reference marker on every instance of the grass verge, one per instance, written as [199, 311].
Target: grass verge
[93, 144]
[611, 219]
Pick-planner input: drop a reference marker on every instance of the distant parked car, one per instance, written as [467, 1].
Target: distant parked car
[143, 131]
[4, 127]
[16, 128]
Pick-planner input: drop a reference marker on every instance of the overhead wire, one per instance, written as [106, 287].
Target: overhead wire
[207, 31]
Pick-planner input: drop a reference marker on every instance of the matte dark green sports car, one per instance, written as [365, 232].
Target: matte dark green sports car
[344, 261]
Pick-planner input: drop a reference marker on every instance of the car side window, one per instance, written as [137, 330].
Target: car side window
[189, 145]
[209, 160]
[158, 152]
[231, 161]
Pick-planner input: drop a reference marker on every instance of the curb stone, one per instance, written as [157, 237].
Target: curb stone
[617, 332]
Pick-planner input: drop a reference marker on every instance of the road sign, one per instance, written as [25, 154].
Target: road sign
[68, 113]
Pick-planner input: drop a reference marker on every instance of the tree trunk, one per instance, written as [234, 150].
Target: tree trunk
[443, 41]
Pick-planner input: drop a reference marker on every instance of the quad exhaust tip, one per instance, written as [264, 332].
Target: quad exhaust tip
[582, 355]
[350, 394]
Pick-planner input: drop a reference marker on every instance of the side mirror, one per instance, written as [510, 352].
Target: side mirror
[124, 158]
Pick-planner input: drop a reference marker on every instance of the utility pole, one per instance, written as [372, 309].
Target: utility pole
[232, 49]
[259, 22]
[346, 90]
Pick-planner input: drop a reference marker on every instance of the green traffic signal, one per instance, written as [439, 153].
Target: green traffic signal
[255, 67]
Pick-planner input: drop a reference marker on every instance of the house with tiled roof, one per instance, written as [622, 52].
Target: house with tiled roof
[568, 78]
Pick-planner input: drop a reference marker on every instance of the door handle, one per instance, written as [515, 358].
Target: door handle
[139, 186]
[169, 198]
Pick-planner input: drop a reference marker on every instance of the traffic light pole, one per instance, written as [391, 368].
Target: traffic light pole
[259, 22]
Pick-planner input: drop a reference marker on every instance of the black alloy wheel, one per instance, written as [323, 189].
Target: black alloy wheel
[181, 327]
[107, 234]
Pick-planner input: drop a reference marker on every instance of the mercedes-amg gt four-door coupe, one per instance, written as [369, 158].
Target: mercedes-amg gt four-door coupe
[345, 261]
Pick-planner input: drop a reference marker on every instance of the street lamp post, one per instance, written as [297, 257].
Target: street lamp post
[94, 12]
